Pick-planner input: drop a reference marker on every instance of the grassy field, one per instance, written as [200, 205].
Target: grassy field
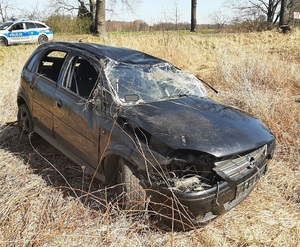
[41, 190]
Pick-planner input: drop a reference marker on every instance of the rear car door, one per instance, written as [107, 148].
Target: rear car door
[76, 124]
[44, 84]
[32, 31]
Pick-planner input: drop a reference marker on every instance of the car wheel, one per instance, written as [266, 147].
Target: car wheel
[131, 194]
[43, 39]
[3, 42]
[25, 122]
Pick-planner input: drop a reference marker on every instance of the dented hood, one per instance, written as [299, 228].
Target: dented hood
[200, 124]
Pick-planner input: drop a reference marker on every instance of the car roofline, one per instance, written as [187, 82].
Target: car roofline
[118, 54]
[21, 21]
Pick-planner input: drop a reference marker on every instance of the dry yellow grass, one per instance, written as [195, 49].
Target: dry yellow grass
[259, 73]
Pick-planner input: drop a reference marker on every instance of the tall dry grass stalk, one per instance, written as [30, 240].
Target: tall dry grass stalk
[257, 72]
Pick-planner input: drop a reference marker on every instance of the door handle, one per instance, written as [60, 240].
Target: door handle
[59, 103]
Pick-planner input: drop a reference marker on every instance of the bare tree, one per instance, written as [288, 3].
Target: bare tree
[219, 19]
[193, 15]
[255, 8]
[272, 9]
[95, 9]
[176, 13]
[5, 7]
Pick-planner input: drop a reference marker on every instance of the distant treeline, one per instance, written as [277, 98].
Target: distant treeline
[68, 24]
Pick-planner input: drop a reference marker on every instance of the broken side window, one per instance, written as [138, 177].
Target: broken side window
[81, 77]
[50, 65]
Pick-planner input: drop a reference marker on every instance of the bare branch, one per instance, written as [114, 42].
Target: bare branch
[5, 6]
[254, 8]
[59, 5]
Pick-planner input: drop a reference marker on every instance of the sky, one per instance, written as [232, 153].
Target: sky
[151, 11]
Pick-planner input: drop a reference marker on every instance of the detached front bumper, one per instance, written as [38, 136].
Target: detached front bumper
[185, 210]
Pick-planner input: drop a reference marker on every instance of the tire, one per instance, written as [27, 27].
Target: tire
[3, 42]
[42, 39]
[132, 195]
[25, 122]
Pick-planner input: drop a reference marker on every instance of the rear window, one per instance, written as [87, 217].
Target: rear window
[39, 25]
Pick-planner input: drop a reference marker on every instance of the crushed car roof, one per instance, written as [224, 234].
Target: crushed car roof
[123, 55]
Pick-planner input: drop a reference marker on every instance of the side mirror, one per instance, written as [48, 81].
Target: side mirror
[131, 97]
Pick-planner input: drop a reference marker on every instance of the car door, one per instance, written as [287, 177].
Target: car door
[18, 33]
[44, 84]
[32, 31]
[76, 125]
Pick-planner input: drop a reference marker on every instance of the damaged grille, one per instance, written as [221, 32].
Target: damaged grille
[235, 169]
[192, 172]
[190, 182]
[186, 183]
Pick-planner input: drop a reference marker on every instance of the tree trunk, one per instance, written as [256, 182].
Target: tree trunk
[194, 16]
[270, 14]
[93, 8]
[100, 26]
[282, 20]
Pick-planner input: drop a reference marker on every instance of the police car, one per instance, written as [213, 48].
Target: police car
[22, 31]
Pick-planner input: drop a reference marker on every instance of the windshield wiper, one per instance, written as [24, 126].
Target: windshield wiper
[208, 85]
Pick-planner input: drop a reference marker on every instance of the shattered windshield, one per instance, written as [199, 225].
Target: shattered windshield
[151, 82]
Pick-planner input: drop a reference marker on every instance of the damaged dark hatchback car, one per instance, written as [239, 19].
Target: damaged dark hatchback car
[138, 121]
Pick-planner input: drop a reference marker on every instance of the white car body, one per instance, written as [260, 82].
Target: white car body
[16, 32]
